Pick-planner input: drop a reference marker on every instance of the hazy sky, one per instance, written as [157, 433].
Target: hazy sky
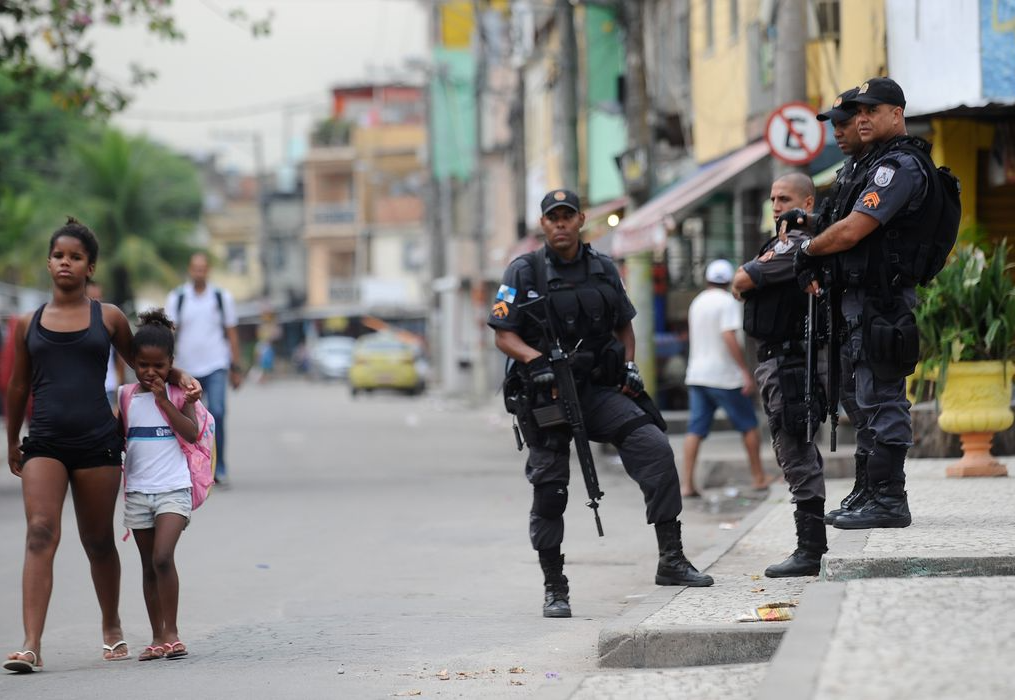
[221, 70]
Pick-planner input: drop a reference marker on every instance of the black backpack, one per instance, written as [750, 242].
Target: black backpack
[916, 258]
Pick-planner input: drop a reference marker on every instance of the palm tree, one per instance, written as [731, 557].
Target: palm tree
[143, 202]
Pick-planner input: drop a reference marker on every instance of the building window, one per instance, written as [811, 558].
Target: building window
[827, 13]
[709, 25]
[236, 258]
[734, 20]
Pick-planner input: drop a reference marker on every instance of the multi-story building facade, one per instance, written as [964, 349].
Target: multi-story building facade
[363, 204]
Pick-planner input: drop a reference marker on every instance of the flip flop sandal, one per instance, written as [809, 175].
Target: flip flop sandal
[111, 650]
[152, 653]
[171, 649]
[23, 665]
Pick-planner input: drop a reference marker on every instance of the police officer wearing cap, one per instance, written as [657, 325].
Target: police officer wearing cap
[775, 313]
[593, 312]
[878, 295]
[849, 182]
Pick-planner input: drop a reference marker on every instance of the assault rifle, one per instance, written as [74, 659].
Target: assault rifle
[566, 410]
[833, 360]
[811, 364]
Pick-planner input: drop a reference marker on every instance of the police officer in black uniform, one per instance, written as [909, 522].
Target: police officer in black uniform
[592, 310]
[775, 313]
[849, 182]
[875, 244]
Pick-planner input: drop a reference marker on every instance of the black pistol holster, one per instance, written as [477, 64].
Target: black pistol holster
[792, 380]
[890, 337]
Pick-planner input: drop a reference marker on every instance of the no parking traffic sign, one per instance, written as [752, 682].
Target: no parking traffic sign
[794, 133]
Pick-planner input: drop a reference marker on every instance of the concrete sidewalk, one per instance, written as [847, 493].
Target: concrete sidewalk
[924, 611]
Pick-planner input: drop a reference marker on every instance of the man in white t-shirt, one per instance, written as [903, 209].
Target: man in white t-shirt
[207, 345]
[718, 375]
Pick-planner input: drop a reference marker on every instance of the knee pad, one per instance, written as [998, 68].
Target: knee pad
[549, 500]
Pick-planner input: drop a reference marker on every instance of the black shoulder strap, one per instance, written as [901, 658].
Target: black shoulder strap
[179, 304]
[222, 313]
[537, 261]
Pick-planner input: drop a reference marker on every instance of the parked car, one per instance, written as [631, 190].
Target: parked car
[331, 357]
[383, 361]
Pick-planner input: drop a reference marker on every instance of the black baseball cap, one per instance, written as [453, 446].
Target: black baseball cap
[843, 108]
[559, 198]
[878, 91]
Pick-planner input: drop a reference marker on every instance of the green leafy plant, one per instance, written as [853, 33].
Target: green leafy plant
[967, 312]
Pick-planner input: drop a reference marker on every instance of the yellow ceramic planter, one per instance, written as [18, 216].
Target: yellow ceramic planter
[976, 403]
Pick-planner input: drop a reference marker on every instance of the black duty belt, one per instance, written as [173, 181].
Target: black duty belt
[770, 350]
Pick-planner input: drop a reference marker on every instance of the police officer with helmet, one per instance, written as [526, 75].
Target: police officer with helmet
[878, 247]
[593, 313]
[775, 313]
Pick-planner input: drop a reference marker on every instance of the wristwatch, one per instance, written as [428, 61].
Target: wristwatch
[805, 245]
[234, 367]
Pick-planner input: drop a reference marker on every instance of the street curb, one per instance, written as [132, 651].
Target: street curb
[964, 564]
[849, 562]
[796, 665]
[626, 643]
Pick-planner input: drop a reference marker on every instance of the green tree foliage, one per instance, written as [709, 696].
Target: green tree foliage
[143, 202]
[34, 136]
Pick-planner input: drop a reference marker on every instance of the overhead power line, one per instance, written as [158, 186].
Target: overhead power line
[210, 115]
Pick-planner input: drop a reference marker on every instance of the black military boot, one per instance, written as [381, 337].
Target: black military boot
[556, 602]
[811, 543]
[858, 496]
[887, 505]
[674, 569]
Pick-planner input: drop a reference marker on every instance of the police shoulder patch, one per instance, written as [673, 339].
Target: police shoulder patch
[506, 293]
[883, 177]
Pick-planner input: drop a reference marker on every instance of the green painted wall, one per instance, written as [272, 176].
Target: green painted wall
[607, 134]
[453, 113]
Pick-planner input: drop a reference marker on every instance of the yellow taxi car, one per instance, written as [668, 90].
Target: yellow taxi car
[383, 361]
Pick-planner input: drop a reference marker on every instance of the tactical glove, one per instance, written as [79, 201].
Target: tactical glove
[806, 268]
[633, 382]
[540, 372]
[795, 220]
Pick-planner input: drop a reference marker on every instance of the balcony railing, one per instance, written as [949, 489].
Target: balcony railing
[343, 290]
[344, 213]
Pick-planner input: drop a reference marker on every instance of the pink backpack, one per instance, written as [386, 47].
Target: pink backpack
[201, 455]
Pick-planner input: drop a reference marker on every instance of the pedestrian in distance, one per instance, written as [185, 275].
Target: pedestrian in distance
[775, 314]
[718, 375]
[157, 498]
[895, 236]
[61, 357]
[585, 298]
[208, 345]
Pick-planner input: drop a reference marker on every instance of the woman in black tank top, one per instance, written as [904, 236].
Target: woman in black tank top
[61, 355]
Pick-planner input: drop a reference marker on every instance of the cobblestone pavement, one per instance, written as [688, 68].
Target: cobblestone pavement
[923, 638]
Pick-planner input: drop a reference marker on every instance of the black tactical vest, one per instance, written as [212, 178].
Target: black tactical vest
[584, 309]
[851, 265]
[775, 313]
[881, 256]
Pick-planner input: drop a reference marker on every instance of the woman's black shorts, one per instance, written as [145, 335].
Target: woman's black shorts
[105, 452]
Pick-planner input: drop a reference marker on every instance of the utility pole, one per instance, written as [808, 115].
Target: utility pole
[790, 60]
[567, 88]
[637, 111]
[479, 300]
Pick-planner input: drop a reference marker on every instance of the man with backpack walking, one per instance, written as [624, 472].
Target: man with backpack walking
[897, 234]
[207, 345]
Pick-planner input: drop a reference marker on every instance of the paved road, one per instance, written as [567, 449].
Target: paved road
[364, 547]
